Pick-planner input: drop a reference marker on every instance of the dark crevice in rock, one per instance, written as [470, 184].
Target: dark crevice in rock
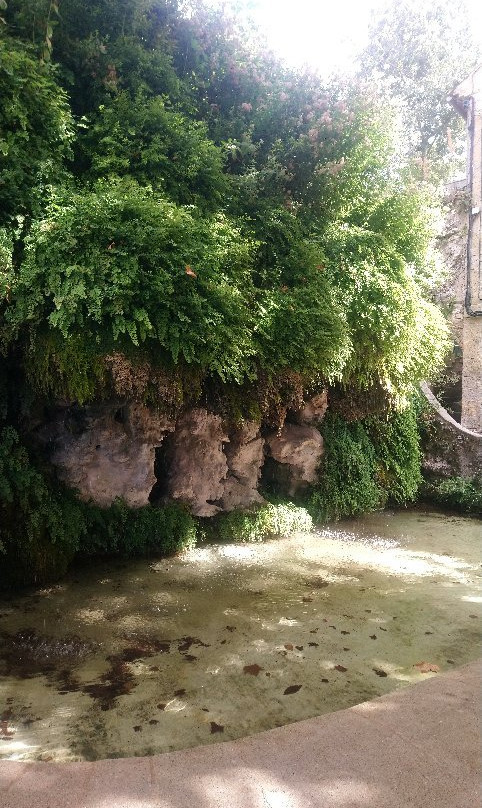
[162, 468]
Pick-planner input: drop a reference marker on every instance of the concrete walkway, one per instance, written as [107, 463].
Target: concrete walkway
[415, 748]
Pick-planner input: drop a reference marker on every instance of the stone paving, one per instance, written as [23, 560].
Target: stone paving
[414, 748]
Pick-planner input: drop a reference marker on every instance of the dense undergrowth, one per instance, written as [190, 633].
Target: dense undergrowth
[463, 494]
[183, 218]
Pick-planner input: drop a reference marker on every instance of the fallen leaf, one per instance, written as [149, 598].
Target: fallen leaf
[252, 669]
[216, 727]
[341, 668]
[427, 667]
[379, 672]
[292, 689]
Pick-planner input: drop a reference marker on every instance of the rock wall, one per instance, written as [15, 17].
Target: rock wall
[118, 450]
[299, 449]
[449, 449]
[106, 451]
[196, 465]
[245, 458]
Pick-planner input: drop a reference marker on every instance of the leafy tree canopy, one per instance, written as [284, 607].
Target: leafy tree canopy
[174, 191]
[418, 51]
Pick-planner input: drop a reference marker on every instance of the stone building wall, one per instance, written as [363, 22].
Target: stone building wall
[467, 98]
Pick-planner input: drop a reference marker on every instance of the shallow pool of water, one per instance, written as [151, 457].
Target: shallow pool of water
[142, 657]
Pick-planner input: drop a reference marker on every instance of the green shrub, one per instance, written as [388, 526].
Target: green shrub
[396, 442]
[347, 482]
[121, 266]
[462, 494]
[120, 530]
[36, 130]
[143, 139]
[367, 464]
[41, 529]
[267, 522]
[396, 336]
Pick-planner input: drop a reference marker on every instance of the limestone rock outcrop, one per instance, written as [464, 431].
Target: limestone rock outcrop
[196, 465]
[299, 450]
[106, 451]
[129, 451]
[245, 457]
[314, 409]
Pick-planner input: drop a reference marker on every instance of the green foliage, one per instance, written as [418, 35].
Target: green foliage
[142, 138]
[462, 494]
[216, 227]
[396, 443]
[36, 131]
[367, 464]
[121, 265]
[6, 250]
[40, 528]
[303, 328]
[258, 524]
[67, 369]
[347, 480]
[119, 530]
[398, 337]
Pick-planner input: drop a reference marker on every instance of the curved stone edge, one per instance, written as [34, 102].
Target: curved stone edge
[444, 416]
[415, 746]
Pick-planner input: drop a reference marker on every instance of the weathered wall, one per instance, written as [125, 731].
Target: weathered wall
[121, 450]
[449, 448]
[453, 246]
[105, 451]
[468, 99]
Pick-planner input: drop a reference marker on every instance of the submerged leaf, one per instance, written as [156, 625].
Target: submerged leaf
[254, 669]
[292, 689]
